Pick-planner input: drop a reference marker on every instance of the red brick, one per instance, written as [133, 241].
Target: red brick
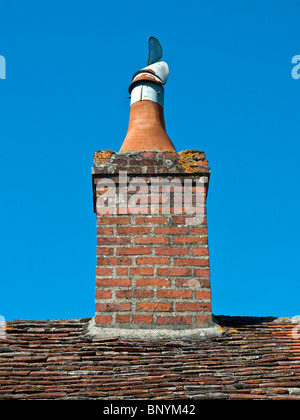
[152, 260]
[104, 231]
[133, 230]
[198, 189]
[113, 220]
[182, 220]
[174, 294]
[190, 240]
[143, 293]
[169, 320]
[113, 261]
[137, 250]
[141, 271]
[104, 250]
[172, 250]
[103, 319]
[203, 294]
[103, 271]
[191, 306]
[203, 319]
[199, 230]
[154, 306]
[200, 251]
[141, 162]
[121, 294]
[148, 154]
[122, 271]
[199, 262]
[192, 283]
[113, 282]
[151, 220]
[153, 282]
[145, 319]
[152, 240]
[199, 272]
[112, 240]
[174, 271]
[123, 318]
[103, 294]
[174, 230]
[172, 155]
[112, 307]
[179, 219]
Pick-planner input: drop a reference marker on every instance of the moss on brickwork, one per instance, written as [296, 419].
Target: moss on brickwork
[190, 160]
[102, 156]
[151, 162]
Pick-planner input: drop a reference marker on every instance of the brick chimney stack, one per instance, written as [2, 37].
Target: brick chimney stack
[152, 273]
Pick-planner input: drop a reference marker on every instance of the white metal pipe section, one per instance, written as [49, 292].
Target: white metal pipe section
[147, 91]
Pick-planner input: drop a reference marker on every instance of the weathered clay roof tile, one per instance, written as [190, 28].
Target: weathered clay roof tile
[255, 358]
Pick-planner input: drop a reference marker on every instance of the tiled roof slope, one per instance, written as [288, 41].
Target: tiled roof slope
[255, 358]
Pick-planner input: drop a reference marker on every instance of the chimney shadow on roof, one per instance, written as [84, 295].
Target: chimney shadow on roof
[231, 321]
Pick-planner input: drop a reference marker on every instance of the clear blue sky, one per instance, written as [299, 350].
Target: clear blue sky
[229, 93]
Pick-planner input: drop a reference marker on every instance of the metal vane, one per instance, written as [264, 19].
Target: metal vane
[155, 50]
